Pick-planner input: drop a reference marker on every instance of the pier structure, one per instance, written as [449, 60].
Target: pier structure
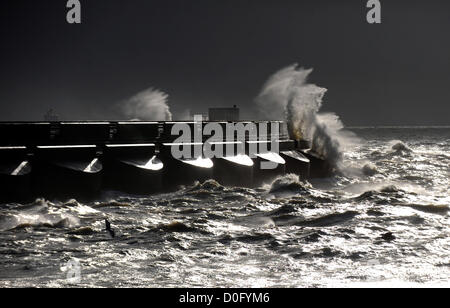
[81, 159]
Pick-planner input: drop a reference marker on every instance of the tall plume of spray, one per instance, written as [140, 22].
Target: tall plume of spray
[148, 105]
[288, 95]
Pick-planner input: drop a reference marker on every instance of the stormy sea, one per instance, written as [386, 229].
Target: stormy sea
[382, 221]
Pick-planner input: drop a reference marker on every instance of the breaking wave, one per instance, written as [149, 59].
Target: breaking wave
[288, 95]
[148, 105]
[289, 183]
[369, 169]
[400, 147]
[36, 219]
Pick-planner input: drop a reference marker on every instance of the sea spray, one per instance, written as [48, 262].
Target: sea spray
[288, 95]
[148, 105]
[273, 98]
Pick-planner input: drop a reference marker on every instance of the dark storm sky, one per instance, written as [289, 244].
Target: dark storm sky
[220, 52]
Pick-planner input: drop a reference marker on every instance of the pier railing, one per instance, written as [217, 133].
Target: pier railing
[31, 134]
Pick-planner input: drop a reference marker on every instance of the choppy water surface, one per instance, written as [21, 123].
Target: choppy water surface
[385, 222]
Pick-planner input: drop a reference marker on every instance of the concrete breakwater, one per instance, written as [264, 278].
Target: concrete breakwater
[80, 159]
